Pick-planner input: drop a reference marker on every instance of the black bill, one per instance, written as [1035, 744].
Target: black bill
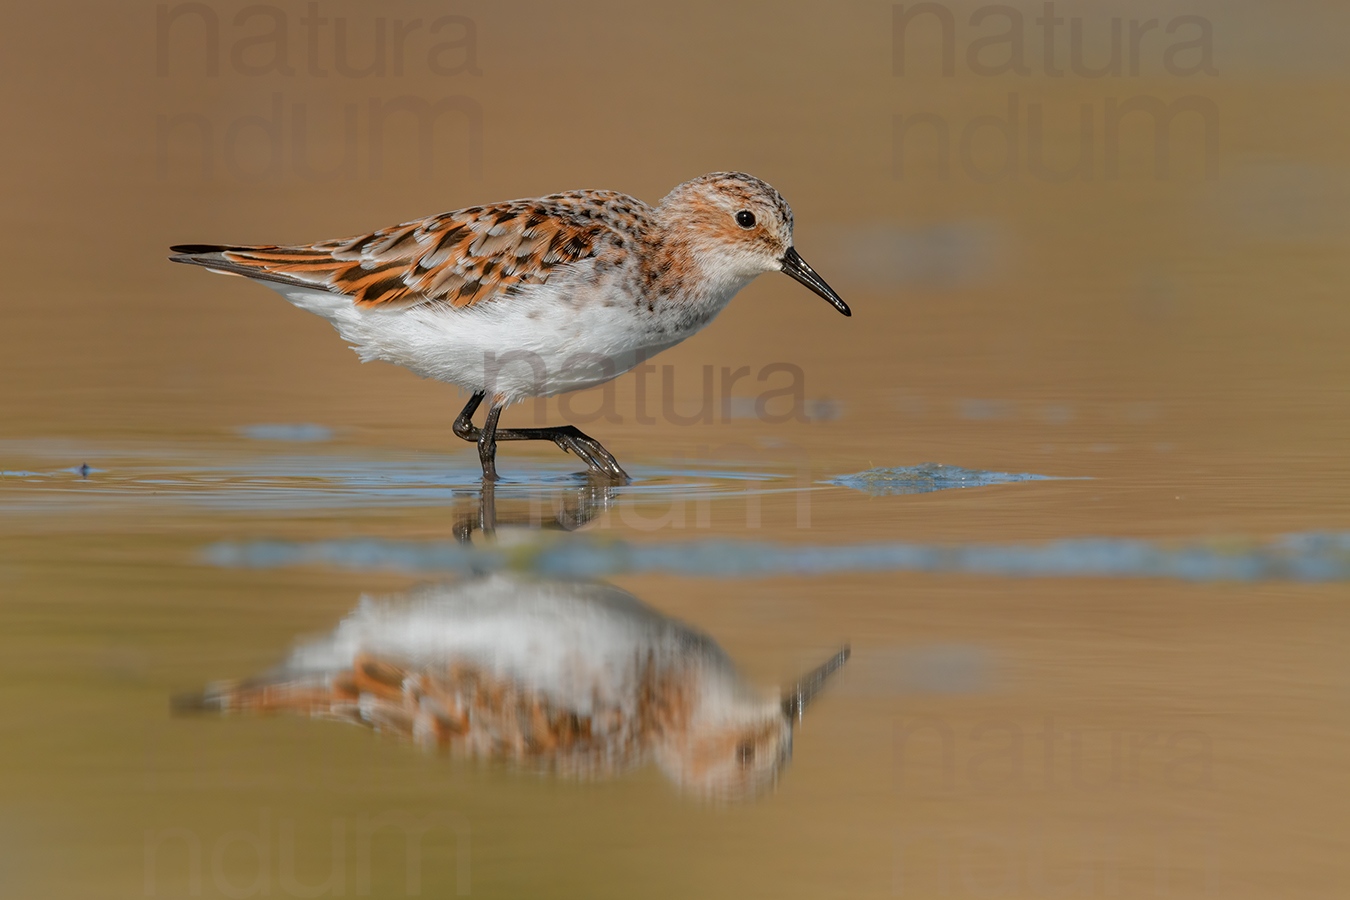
[795, 266]
[810, 684]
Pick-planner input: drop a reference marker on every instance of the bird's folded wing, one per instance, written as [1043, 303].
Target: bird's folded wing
[453, 706]
[458, 258]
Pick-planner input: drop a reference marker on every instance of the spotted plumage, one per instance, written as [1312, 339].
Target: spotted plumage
[574, 678]
[457, 258]
[530, 298]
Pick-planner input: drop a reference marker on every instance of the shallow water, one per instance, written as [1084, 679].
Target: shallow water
[1071, 484]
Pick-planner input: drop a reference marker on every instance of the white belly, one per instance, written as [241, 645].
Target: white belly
[580, 642]
[547, 340]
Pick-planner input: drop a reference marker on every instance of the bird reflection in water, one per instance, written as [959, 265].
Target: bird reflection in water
[576, 678]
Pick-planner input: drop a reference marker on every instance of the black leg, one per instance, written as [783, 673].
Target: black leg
[464, 427]
[484, 437]
[568, 437]
[487, 443]
[483, 518]
[580, 504]
[487, 508]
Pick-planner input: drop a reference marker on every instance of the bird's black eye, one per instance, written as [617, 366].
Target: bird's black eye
[745, 751]
[745, 218]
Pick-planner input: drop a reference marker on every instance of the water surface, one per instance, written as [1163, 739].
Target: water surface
[1072, 482]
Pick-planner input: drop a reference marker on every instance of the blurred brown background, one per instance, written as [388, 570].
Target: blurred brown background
[1216, 286]
[1119, 253]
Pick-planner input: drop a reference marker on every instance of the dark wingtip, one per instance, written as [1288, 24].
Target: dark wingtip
[198, 248]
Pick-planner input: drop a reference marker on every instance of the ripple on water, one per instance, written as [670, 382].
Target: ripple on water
[926, 478]
[243, 476]
[84, 470]
[1308, 557]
